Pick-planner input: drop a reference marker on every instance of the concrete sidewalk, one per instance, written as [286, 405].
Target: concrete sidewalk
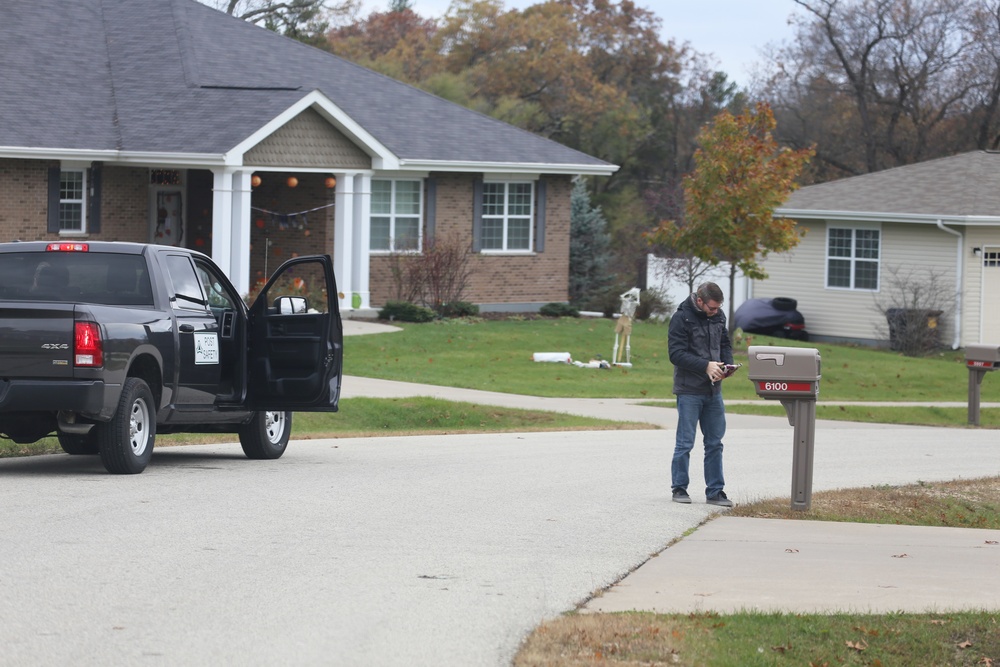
[730, 563]
[738, 564]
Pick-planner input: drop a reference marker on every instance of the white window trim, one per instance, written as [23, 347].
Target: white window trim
[67, 168]
[392, 217]
[507, 182]
[854, 228]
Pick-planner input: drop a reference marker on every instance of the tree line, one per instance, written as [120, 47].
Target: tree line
[864, 84]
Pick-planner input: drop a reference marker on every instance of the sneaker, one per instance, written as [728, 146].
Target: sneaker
[720, 499]
[681, 496]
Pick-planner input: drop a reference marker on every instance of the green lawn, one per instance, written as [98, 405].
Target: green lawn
[496, 356]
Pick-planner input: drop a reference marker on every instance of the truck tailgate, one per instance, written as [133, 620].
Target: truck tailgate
[36, 340]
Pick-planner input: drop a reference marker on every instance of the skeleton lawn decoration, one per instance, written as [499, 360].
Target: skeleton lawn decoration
[630, 301]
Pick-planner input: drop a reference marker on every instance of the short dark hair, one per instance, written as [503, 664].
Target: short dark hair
[709, 292]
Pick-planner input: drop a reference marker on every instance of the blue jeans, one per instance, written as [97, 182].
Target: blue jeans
[711, 413]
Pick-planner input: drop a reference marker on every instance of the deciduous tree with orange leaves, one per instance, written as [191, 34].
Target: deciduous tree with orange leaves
[741, 176]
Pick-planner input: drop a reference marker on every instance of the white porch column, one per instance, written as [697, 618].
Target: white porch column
[361, 252]
[240, 233]
[222, 219]
[343, 238]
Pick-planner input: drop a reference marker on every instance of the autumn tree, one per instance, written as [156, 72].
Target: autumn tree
[397, 43]
[741, 176]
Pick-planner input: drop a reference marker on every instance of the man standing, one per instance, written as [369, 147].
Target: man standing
[699, 350]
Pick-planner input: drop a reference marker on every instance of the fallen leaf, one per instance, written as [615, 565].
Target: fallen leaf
[965, 644]
[857, 646]
[986, 661]
[902, 556]
[791, 551]
[992, 542]
[782, 649]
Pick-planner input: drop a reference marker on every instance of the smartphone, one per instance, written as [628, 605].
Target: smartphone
[731, 368]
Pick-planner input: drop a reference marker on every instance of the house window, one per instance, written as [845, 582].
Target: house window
[397, 208]
[507, 215]
[72, 189]
[852, 258]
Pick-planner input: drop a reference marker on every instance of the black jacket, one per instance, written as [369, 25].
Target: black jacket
[696, 339]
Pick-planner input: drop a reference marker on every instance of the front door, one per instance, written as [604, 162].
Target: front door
[295, 338]
[166, 215]
[989, 314]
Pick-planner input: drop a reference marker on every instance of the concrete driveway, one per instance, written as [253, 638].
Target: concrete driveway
[430, 550]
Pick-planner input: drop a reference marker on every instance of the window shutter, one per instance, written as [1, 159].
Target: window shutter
[540, 217]
[477, 215]
[94, 202]
[430, 208]
[54, 176]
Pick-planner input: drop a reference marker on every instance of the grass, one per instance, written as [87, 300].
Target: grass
[753, 638]
[872, 414]
[747, 640]
[496, 356]
[365, 417]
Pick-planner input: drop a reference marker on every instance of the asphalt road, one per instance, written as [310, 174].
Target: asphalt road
[431, 550]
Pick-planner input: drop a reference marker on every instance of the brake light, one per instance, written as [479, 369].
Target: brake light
[68, 247]
[88, 351]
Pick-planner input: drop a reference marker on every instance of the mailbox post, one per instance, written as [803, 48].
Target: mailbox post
[791, 375]
[979, 359]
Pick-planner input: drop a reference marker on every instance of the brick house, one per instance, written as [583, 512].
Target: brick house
[170, 122]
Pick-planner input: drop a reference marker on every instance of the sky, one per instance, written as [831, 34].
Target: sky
[732, 31]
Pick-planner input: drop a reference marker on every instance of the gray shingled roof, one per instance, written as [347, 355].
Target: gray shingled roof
[962, 185]
[175, 76]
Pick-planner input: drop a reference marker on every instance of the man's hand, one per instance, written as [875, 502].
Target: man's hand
[716, 370]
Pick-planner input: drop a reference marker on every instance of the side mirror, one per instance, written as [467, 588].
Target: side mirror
[291, 305]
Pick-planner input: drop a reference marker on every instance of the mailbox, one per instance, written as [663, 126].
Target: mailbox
[784, 372]
[983, 356]
[979, 359]
[791, 375]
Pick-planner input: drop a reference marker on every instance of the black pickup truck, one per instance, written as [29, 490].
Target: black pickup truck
[107, 344]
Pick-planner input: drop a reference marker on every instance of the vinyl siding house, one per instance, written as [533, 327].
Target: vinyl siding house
[171, 122]
[940, 216]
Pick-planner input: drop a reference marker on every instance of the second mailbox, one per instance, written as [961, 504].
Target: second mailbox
[784, 372]
[982, 356]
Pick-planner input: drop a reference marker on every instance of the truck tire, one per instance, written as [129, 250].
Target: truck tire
[266, 435]
[784, 303]
[126, 442]
[79, 445]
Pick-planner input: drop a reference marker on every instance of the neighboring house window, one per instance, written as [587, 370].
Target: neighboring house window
[852, 258]
[72, 208]
[395, 215]
[507, 216]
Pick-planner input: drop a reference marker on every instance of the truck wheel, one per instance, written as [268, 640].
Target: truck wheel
[266, 435]
[126, 442]
[79, 445]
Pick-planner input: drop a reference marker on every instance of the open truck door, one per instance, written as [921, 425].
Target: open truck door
[296, 339]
